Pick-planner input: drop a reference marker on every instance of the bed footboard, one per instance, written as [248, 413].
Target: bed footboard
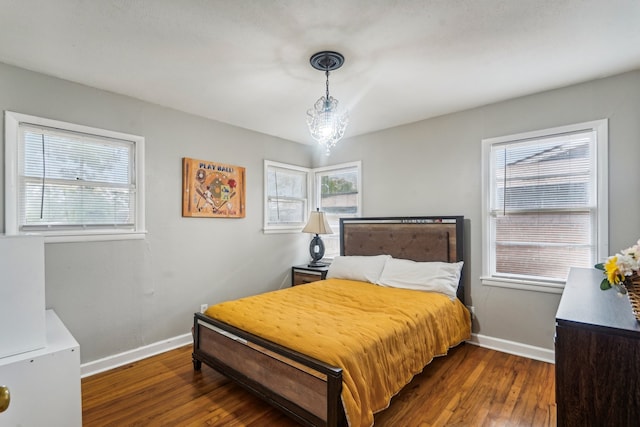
[305, 388]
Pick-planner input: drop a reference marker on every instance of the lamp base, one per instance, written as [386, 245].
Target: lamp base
[317, 264]
[316, 250]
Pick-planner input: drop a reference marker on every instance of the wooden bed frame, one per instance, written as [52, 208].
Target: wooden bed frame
[303, 387]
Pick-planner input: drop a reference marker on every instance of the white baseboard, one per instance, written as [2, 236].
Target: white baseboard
[130, 356]
[512, 347]
[120, 359]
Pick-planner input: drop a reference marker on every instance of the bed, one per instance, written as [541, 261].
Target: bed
[315, 383]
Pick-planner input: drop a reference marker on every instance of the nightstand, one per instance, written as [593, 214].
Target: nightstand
[301, 274]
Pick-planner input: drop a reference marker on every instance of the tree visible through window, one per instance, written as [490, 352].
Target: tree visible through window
[338, 188]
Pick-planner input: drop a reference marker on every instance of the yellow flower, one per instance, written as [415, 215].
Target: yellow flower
[613, 274]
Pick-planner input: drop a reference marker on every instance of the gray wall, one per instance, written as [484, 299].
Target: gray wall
[117, 296]
[433, 167]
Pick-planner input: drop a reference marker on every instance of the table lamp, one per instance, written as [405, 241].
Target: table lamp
[317, 225]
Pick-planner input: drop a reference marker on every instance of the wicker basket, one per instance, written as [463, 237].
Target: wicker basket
[633, 291]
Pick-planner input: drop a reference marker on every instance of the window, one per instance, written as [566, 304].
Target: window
[71, 182]
[336, 190]
[286, 197]
[545, 205]
[338, 194]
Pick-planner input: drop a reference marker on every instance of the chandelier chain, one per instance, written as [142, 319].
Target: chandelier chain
[327, 74]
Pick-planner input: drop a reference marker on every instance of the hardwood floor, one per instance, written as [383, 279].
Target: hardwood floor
[472, 386]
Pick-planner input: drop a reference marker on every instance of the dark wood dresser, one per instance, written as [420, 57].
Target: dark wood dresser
[597, 355]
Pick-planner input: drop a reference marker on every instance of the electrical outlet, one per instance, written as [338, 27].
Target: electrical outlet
[203, 307]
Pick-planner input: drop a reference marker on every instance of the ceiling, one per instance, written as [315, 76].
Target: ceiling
[246, 62]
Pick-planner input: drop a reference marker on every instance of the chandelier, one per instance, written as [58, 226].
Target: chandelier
[326, 123]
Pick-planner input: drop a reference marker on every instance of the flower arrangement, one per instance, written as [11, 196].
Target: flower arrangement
[621, 268]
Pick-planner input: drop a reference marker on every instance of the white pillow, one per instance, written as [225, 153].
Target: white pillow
[362, 268]
[440, 277]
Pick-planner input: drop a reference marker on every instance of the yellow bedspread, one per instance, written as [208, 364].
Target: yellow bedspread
[380, 337]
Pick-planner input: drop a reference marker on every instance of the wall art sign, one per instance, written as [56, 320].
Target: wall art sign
[212, 190]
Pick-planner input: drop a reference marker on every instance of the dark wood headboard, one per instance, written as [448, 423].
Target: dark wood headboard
[426, 238]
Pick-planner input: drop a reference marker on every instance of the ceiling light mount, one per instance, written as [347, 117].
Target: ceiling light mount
[326, 122]
[326, 60]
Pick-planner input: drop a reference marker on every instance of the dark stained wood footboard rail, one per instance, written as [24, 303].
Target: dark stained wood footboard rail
[303, 387]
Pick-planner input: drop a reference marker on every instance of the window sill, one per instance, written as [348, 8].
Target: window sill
[525, 285]
[281, 230]
[97, 237]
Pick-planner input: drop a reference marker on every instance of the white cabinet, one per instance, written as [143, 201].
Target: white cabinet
[22, 298]
[44, 384]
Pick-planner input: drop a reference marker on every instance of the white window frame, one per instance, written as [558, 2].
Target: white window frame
[284, 228]
[600, 211]
[317, 172]
[13, 155]
[313, 195]
[317, 177]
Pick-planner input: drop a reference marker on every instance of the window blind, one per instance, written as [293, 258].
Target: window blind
[74, 180]
[286, 196]
[542, 205]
